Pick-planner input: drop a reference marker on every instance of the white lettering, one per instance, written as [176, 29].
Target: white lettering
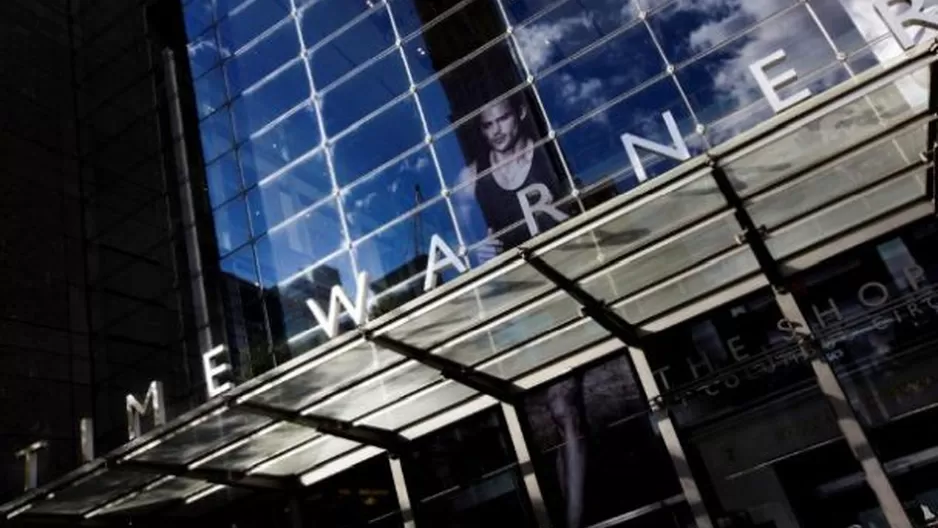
[679, 151]
[544, 204]
[735, 344]
[213, 371]
[30, 456]
[833, 311]
[86, 439]
[358, 311]
[771, 86]
[438, 245]
[662, 376]
[136, 410]
[915, 276]
[900, 20]
[875, 288]
[704, 362]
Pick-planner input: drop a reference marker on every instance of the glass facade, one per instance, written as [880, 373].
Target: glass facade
[340, 136]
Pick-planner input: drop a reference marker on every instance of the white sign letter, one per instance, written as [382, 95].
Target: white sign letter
[337, 297]
[30, 455]
[679, 151]
[212, 372]
[769, 86]
[438, 245]
[544, 204]
[136, 410]
[900, 20]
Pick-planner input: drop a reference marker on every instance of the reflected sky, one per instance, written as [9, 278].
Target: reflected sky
[315, 122]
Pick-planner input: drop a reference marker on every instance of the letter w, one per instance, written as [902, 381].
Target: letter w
[357, 311]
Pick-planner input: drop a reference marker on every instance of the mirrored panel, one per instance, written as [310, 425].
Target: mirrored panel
[203, 437]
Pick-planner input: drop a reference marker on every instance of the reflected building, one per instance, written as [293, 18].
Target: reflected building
[678, 254]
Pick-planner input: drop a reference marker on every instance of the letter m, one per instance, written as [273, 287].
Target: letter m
[136, 410]
[337, 298]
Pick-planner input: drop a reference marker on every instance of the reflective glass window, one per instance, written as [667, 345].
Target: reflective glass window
[216, 134]
[310, 236]
[260, 105]
[851, 25]
[277, 199]
[366, 92]
[592, 428]
[283, 143]
[231, 225]
[262, 58]
[249, 20]
[391, 192]
[241, 264]
[210, 92]
[467, 471]
[352, 48]
[370, 145]
[223, 178]
[329, 504]
[322, 18]
[594, 149]
[204, 53]
[199, 14]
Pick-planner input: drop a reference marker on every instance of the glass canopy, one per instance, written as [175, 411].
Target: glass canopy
[633, 265]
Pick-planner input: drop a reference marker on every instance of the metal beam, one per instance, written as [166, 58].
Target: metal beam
[502, 390]
[236, 479]
[363, 434]
[592, 307]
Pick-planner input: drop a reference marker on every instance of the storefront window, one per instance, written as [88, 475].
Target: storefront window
[593, 429]
[466, 476]
[874, 313]
[359, 497]
[760, 437]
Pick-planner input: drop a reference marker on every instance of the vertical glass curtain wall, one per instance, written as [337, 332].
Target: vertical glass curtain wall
[341, 135]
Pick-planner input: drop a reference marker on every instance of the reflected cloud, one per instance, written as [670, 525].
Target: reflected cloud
[537, 41]
[418, 165]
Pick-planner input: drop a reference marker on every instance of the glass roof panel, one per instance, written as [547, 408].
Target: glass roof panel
[316, 452]
[158, 494]
[204, 437]
[318, 379]
[280, 438]
[471, 307]
[829, 133]
[541, 352]
[92, 492]
[648, 220]
[421, 406]
[376, 393]
[855, 172]
[666, 259]
[848, 214]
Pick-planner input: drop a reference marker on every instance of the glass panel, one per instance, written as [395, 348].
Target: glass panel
[308, 237]
[851, 25]
[498, 293]
[199, 15]
[855, 172]
[204, 53]
[328, 376]
[315, 453]
[224, 179]
[369, 146]
[710, 277]
[695, 198]
[250, 20]
[539, 354]
[588, 430]
[241, 264]
[594, 148]
[686, 29]
[280, 199]
[284, 436]
[567, 27]
[284, 143]
[259, 106]
[216, 134]
[370, 89]
[391, 192]
[847, 214]
[874, 310]
[210, 93]
[825, 135]
[204, 437]
[452, 38]
[250, 66]
[467, 471]
[84, 496]
[231, 225]
[373, 502]
[598, 77]
[460, 91]
[439, 397]
[353, 47]
[374, 394]
[174, 489]
[323, 18]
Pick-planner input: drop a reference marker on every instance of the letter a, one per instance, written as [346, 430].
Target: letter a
[437, 246]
